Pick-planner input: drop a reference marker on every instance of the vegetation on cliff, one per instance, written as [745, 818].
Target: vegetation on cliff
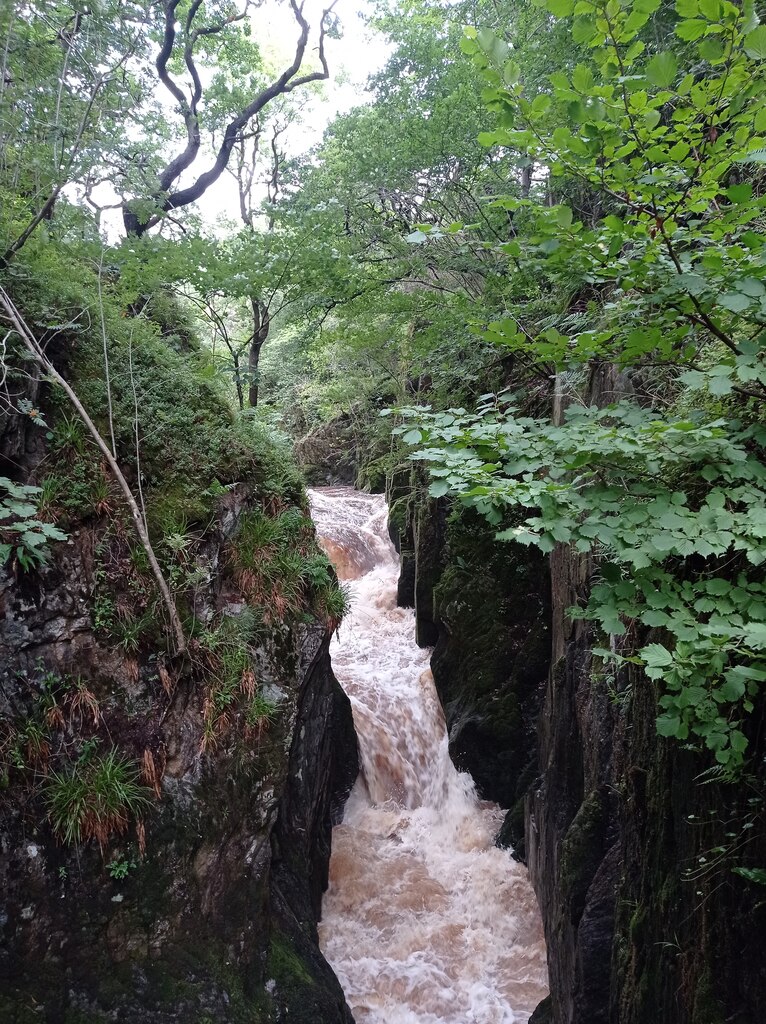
[152, 420]
[540, 243]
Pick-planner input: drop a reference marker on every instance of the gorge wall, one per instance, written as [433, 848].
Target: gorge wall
[195, 896]
[630, 846]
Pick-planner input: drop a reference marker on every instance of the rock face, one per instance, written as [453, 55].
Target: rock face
[328, 455]
[630, 848]
[632, 852]
[207, 911]
[484, 608]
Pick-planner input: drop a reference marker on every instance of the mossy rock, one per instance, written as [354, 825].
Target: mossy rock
[492, 653]
[582, 850]
[707, 1008]
[285, 966]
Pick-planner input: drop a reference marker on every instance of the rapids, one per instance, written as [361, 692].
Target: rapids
[425, 921]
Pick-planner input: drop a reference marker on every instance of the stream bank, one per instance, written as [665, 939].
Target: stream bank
[216, 921]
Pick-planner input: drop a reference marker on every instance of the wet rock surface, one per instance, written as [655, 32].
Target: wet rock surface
[216, 920]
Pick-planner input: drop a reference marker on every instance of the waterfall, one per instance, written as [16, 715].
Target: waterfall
[425, 921]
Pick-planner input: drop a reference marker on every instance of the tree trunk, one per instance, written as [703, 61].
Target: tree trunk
[526, 180]
[238, 381]
[261, 325]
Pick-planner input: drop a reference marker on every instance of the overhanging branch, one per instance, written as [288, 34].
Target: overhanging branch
[287, 82]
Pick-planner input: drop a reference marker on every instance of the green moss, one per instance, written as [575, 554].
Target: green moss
[285, 966]
[637, 926]
[174, 508]
[707, 1008]
[372, 475]
[399, 513]
[582, 850]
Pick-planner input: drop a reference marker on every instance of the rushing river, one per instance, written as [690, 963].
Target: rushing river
[425, 921]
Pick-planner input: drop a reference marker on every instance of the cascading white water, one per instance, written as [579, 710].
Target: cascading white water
[425, 921]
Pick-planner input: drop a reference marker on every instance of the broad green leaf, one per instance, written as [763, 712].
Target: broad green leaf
[438, 488]
[560, 8]
[757, 875]
[734, 301]
[656, 656]
[662, 69]
[755, 43]
[740, 193]
[691, 29]
[668, 725]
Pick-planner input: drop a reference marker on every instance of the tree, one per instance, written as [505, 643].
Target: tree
[66, 85]
[245, 172]
[201, 24]
[673, 267]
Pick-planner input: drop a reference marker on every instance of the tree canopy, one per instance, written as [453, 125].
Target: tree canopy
[540, 241]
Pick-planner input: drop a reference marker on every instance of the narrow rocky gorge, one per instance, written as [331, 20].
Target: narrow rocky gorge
[425, 921]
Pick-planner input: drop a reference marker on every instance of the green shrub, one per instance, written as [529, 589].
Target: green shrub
[22, 534]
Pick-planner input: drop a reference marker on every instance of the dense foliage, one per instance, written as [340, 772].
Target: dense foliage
[541, 242]
[667, 486]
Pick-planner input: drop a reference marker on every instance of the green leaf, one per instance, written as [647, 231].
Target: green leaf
[668, 725]
[757, 875]
[755, 634]
[563, 216]
[733, 688]
[560, 8]
[691, 30]
[711, 49]
[751, 286]
[755, 43]
[739, 741]
[720, 385]
[511, 73]
[662, 69]
[742, 193]
[656, 656]
[582, 78]
[583, 29]
[734, 301]
[711, 9]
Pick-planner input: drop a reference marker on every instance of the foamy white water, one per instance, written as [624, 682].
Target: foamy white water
[425, 921]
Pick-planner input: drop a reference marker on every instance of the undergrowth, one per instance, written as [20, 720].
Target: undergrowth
[55, 750]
